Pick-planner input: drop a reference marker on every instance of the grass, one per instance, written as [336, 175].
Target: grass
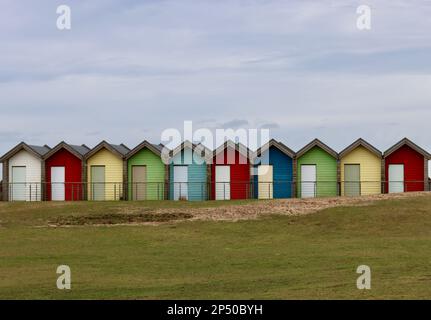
[278, 257]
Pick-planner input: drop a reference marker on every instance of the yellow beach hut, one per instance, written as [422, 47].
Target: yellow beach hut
[106, 172]
[361, 169]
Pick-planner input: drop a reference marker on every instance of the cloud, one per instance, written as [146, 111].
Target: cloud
[129, 69]
[270, 125]
[235, 124]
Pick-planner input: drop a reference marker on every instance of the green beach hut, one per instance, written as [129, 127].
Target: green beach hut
[317, 171]
[146, 172]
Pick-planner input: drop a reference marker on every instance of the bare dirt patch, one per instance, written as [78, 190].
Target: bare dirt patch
[118, 218]
[133, 215]
[291, 207]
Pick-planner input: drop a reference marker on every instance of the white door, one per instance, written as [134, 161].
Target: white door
[396, 178]
[308, 181]
[18, 190]
[180, 182]
[265, 181]
[222, 179]
[58, 180]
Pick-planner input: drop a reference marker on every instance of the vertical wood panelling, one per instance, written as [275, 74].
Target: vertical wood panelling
[33, 166]
[73, 174]
[155, 173]
[370, 170]
[326, 167]
[197, 174]
[239, 173]
[413, 167]
[282, 173]
[113, 173]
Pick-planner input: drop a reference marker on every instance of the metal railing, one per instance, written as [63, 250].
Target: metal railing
[201, 191]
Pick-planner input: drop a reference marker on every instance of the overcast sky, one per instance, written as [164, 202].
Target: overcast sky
[129, 69]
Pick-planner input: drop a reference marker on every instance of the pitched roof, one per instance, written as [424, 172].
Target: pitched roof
[38, 151]
[409, 143]
[120, 150]
[242, 149]
[317, 143]
[156, 149]
[41, 150]
[159, 146]
[204, 151]
[82, 149]
[277, 144]
[77, 151]
[363, 143]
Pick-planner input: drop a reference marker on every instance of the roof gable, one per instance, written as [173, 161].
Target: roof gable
[156, 149]
[276, 144]
[360, 143]
[204, 152]
[406, 142]
[77, 151]
[317, 143]
[37, 151]
[242, 149]
[119, 150]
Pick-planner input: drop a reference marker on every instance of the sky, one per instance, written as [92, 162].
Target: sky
[127, 70]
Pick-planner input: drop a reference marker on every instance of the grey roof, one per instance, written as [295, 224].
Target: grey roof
[82, 150]
[121, 148]
[41, 150]
[158, 146]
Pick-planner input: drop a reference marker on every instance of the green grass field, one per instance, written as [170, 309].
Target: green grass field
[277, 257]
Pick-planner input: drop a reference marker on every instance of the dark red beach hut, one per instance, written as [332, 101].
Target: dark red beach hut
[406, 167]
[230, 172]
[64, 172]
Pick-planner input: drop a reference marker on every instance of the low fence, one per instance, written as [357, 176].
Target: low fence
[201, 191]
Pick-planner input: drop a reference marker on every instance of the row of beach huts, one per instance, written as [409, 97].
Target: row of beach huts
[115, 172]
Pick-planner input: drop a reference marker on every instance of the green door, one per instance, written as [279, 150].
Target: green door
[352, 178]
[98, 183]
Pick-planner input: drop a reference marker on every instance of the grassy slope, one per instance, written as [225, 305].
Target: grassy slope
[279, 257]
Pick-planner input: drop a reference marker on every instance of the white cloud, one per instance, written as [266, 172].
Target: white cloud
[127, 70]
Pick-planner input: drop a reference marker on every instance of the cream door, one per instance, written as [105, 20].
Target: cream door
[139, 180]
[308, 181]
[58, 180]
[180, 182]
[19, 179]
[265, 181]
[396, 178]
[222, 180]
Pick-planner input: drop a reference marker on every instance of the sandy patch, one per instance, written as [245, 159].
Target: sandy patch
[133, 216]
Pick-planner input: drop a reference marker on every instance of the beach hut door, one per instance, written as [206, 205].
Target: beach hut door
[180, 182]
[139, 180]
[222, 182]
[57, 183]
[352, 185]
[98, 183]
[396, 178]
[265, 178]
[18, 183]
[308, 181]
